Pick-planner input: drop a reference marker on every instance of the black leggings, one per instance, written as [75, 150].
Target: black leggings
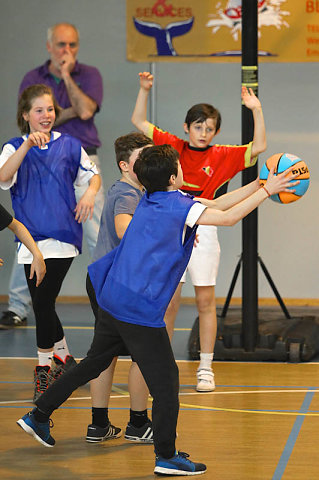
[48, 326]
[152, 351]
[92, 297]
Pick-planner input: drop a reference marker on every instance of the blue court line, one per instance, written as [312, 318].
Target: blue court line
[285, 456]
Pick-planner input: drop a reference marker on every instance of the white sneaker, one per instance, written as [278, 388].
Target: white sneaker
[205, 380]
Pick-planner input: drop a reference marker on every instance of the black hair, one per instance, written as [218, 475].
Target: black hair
[126, 144]
[155, 166]
[201, 112]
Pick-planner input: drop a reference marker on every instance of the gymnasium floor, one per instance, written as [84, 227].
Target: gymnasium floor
[261, 423]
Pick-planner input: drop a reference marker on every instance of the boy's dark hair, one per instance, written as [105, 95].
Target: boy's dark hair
[201, 112]
[25, 103]
[124, 146]
[154, 167]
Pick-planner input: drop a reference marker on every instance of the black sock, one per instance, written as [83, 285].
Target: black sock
[40, 417]
[138, 418]
[100, 417]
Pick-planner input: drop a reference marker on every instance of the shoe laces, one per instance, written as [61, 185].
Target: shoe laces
[58, 372]
[183, 454]
[42, 379]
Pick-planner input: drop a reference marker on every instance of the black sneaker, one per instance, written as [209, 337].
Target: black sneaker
[42, 380]
[11, 320]
[142, 434]
[178, 465]
[97, 434]
[60, 367]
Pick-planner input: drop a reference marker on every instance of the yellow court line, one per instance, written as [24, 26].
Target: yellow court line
[118, 390]
[236, 410]
[124, 394]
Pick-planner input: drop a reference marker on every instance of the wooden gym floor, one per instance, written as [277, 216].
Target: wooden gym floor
[261, 423]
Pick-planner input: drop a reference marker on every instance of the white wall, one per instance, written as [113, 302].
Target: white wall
[289, 93]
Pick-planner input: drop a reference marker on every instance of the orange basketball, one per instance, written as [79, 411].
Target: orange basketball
[280, 162]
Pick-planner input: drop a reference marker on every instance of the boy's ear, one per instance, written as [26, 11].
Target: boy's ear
[123, 166]
[217, 132]
[172, 180]
[25, 116]
[186, 128]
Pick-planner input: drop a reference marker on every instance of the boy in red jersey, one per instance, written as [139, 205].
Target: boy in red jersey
[207, 170]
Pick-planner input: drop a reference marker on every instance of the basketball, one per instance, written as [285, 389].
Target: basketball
[280, 162]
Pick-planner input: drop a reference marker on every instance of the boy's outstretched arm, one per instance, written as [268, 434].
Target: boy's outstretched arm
[252, 102]
[229, 199]
[139, 116]
[38, 265]
[274, 184]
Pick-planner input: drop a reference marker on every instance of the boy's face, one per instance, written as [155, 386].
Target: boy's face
[179, 178]
[201, 133]
[127, 167]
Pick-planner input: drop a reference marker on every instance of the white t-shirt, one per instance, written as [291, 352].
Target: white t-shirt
[193, 214]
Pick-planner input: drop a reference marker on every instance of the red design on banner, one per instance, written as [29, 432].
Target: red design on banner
[162, 9]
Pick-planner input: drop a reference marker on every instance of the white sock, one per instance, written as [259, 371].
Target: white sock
[61, 349]
[45, 358]
[206, 360]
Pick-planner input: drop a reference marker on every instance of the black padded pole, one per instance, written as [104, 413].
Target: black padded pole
[250, 223]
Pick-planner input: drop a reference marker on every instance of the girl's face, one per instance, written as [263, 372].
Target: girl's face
[41, 116]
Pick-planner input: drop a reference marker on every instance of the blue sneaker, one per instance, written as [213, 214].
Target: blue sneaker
[40, 431]
[178, 465]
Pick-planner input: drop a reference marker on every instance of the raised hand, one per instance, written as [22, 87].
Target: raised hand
[146, 80]
[249, 98]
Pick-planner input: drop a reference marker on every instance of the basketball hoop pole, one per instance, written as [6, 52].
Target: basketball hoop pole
[250, 223]
[292, 339]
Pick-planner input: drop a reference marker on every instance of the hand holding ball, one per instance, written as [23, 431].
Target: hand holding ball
[280, 162]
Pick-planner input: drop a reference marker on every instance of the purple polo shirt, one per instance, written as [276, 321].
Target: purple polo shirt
[89, 80]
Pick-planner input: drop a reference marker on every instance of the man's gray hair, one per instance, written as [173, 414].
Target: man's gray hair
[51, 30]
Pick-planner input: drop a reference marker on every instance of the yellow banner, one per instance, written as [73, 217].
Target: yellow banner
[210, 30]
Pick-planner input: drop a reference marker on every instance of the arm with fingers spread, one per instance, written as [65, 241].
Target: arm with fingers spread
[228, 200]
[246, 204]
[252, 102]
[139, 116]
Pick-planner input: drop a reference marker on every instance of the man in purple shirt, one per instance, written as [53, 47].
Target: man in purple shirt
[78, 89]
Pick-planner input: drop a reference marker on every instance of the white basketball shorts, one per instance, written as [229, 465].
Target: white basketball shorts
[204, 261]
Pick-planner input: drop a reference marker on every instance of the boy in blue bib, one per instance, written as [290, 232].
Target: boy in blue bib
[134, 284]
